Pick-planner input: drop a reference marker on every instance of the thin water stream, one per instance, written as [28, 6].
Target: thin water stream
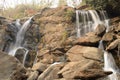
[20, 38]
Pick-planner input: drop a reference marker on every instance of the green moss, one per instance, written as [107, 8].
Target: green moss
[64, 37]
[69, 15]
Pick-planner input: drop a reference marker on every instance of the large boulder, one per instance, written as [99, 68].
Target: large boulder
[90, 39]
[79, 53]
[40, 67]
[83, 63]
[113, 45]
[100, 30]
[76, 70]
[11, 68]
[108, 37]
[51, 72]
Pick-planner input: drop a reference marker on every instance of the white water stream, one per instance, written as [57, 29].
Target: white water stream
[87, 21]
[19, 38]
[109, 63]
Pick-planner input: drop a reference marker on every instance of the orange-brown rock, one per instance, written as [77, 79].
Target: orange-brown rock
[113, 45]
[100, 30]
[79, 53]
[89, 40]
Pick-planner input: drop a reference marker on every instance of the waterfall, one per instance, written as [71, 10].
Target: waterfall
[17, 24]
[109, 63]
[87, 21]
[19, 38]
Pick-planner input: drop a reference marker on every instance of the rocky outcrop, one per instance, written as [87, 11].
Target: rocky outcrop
[90, 39]
[100, 30]
[79, 53]
[60, 55]
[113, 45]
[51, 72]
[57, 27]
[11, 68]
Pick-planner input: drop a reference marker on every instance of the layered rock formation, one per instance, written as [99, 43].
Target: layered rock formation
[60, 55]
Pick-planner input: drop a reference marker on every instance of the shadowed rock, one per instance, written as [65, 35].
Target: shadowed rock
[10, 68]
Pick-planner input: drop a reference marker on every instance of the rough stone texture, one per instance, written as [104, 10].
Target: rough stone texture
[75, 70]
[107, 78]
[113, 45]
[6, 33]
[10, 68]
[39, 67]
[20, 54]
[32, 37]
[51, 72]
[89, 40]
[33, 75]
[100, 30]
[51, 56]
[79, 53]
[30, 58]
[57, 26]
[108, 37]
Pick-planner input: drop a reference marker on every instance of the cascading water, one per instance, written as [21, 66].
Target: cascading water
[109, 63]
[17, 24]
[19, 38]
[87, 21]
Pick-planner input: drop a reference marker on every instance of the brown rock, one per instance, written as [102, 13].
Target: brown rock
[79, 53]
[57, 27]
[108, 37]
[76, 70]
[30, 59]
[89, 40]
[10, 68]
[51, 72]
[117, 29]
[91, 74]
[100, 30]
[52, 55]
[39, 67]
[113, 45]
[33, 75]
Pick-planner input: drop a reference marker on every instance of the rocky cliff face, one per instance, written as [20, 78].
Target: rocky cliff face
[60, 55]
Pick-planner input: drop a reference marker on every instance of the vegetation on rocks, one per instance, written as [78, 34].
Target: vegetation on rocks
[55, 53]
[112, 6]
